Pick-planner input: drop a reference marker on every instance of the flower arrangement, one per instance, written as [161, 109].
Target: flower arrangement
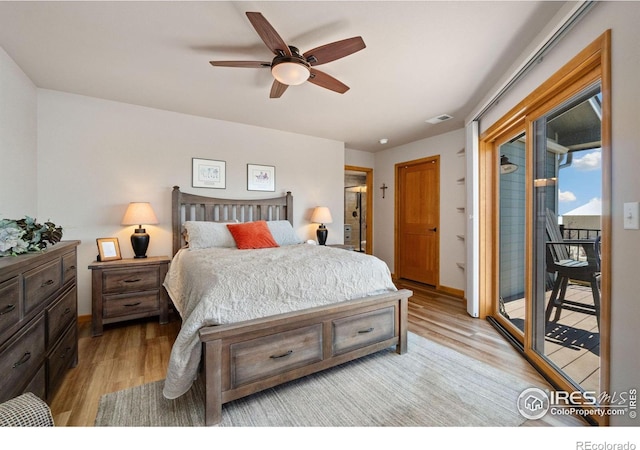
[26, 235]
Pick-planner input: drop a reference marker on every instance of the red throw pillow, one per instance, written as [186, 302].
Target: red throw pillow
[252, 235]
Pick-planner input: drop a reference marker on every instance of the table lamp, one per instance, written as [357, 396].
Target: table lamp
[321, 215]
[139, 213]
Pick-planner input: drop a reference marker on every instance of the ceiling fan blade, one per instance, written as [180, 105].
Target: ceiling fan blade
[335, 50]
[248, 64]
[327, 81]
[277, 89]
[268, 34]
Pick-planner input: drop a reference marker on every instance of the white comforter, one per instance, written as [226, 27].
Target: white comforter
[223, 285]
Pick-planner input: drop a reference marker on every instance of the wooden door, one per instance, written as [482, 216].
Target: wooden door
[418, 220]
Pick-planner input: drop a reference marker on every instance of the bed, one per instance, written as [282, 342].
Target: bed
[259, 317]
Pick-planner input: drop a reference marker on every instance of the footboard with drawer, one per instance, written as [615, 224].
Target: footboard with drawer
[243, 358]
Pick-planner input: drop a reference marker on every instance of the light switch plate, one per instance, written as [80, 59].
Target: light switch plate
[631, 216]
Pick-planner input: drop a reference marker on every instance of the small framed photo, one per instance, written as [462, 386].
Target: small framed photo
[108, 249]
[208, 173]
[261, 178]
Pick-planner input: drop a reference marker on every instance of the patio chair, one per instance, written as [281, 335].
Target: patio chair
[565, 268]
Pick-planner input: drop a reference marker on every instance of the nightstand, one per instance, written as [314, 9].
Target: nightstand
[128, 289]
[342, 246]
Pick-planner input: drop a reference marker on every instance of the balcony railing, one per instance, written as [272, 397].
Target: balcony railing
[579, 233]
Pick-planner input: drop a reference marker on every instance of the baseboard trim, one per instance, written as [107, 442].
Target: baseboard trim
[84, 318]
[452, 291]
[442, 290]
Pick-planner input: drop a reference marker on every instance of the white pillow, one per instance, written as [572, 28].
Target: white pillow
[283, 232]
[208, 234]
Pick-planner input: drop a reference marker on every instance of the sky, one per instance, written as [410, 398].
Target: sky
[581, 182]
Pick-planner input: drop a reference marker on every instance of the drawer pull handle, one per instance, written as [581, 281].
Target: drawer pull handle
[132, 304]
[65, 353]
[70, 268]
[47, 283]
[284, 355]
[65, 312]
[132, 281]
[368, 330]
[26, 357]
[8, 309]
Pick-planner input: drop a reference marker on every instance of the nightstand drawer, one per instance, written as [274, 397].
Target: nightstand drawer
[40, 283]
[131, 280]
[364, 329]
[131, 304]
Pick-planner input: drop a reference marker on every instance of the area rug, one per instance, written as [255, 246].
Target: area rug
[430, 385]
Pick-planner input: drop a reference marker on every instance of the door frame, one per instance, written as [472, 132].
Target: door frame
[368, 249]
[396, 234]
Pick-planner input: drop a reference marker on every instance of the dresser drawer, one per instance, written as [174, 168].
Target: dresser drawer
[350, 333]
[130, 280]
[69, 267]
[131, 304]
[275, 354]
[38, 384]
[60, 315]
[62, 357]
[19, 361]
[40, 283]
[9, 304]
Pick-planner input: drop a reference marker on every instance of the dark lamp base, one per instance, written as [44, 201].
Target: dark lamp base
[322, 234]
[140, 242]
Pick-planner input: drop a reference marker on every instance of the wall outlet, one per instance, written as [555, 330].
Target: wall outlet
[631, 216]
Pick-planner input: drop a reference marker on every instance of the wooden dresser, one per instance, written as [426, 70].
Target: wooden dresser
[38, 320]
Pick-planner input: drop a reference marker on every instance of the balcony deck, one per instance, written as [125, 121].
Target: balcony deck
[573, 342]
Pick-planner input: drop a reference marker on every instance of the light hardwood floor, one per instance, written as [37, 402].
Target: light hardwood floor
[135, 353]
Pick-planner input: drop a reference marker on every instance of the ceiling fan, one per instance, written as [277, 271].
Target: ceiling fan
[289, 67]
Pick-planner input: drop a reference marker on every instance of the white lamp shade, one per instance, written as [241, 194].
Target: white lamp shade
[290, 73]
[321, 215]
[139, 213]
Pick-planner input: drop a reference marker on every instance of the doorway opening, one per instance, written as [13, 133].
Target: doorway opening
[358, 208]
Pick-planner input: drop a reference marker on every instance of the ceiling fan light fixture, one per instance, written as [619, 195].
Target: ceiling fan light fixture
[290, 72]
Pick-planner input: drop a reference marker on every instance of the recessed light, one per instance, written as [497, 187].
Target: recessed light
[383, 140]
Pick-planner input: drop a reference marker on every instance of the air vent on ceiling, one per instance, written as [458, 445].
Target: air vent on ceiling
[440, 118]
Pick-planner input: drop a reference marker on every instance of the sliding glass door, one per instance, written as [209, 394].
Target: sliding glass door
[567, 225]
[545, 224]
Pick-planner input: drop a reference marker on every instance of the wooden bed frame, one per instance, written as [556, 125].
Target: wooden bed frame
[244, 358]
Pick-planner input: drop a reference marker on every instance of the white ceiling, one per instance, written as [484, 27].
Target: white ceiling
[423, 59]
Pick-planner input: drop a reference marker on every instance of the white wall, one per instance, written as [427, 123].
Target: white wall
[452, 195]
[96, 156]
[622, 18]
[358, 158]
[18, 143]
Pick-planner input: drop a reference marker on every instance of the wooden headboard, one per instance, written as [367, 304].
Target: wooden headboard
[191, 207]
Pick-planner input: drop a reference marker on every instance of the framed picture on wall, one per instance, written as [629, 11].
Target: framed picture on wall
[108, 249]
[209, 173]
[261, 178]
